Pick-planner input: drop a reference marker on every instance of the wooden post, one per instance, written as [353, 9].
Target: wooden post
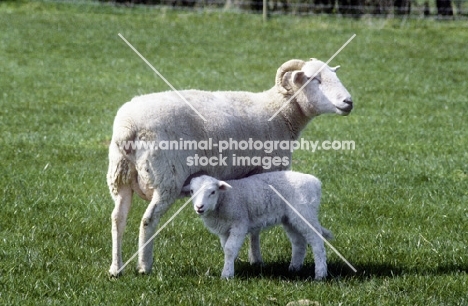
[265, 10]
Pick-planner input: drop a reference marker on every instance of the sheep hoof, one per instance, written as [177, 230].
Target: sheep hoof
[114, 271]
[115, 275]
[143, 270]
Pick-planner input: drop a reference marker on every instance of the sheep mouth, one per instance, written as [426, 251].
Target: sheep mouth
[200, 211]
[345, 110]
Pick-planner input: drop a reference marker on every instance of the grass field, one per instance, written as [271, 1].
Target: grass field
[397, 203]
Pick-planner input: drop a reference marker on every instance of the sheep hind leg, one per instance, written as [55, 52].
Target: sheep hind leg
[119, 179]
[123, 200]
[255, 255]
[318, 248]
[299, 247]
[150, 220]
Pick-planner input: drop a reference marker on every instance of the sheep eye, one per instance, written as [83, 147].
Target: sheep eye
[191, 191]
[213, 192]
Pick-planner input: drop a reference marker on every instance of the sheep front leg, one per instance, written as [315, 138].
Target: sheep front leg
[123, 200]
[222, 240]
[150, 220]
[231, 250]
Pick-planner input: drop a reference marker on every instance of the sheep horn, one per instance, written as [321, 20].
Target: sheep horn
[335, 69]
[290, 65]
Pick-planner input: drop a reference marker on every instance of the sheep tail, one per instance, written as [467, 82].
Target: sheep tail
[327, 234]
[124, 131]
[120, 169]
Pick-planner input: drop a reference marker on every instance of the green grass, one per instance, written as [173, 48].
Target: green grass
[397, 203]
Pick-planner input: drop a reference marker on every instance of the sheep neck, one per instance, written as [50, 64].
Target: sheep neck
[292, 115]
[295, 118]
[219, 204]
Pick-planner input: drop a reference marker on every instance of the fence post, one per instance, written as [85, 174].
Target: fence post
[265, 10]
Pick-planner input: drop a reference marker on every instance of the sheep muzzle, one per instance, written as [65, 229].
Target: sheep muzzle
[348, 106]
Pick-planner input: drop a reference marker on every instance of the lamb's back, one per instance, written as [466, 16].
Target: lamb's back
[297, 188]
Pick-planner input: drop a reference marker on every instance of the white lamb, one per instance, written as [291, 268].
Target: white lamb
[251, 205]
[159, 175]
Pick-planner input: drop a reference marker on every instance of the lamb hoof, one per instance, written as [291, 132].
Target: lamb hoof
[257, 263]
[319, 279]
[320, 276]
[293, 268]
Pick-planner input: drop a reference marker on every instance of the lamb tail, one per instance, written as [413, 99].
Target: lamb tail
[327, 234]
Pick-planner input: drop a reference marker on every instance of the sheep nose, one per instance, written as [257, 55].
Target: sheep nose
[349, 105]
[199, 208]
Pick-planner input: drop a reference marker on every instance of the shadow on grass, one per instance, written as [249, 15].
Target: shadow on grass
[337, 270]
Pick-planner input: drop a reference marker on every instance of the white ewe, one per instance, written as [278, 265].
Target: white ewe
[252, 205]
[159, 175]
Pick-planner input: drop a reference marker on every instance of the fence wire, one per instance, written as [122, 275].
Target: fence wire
[355, 8]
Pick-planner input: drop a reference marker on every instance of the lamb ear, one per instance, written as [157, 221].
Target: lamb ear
[224, 186]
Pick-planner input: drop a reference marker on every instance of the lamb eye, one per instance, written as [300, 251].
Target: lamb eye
[213, 192]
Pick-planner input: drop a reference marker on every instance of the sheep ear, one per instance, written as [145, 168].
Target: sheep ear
[335, 69]
[298, 77]
[224, 186]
